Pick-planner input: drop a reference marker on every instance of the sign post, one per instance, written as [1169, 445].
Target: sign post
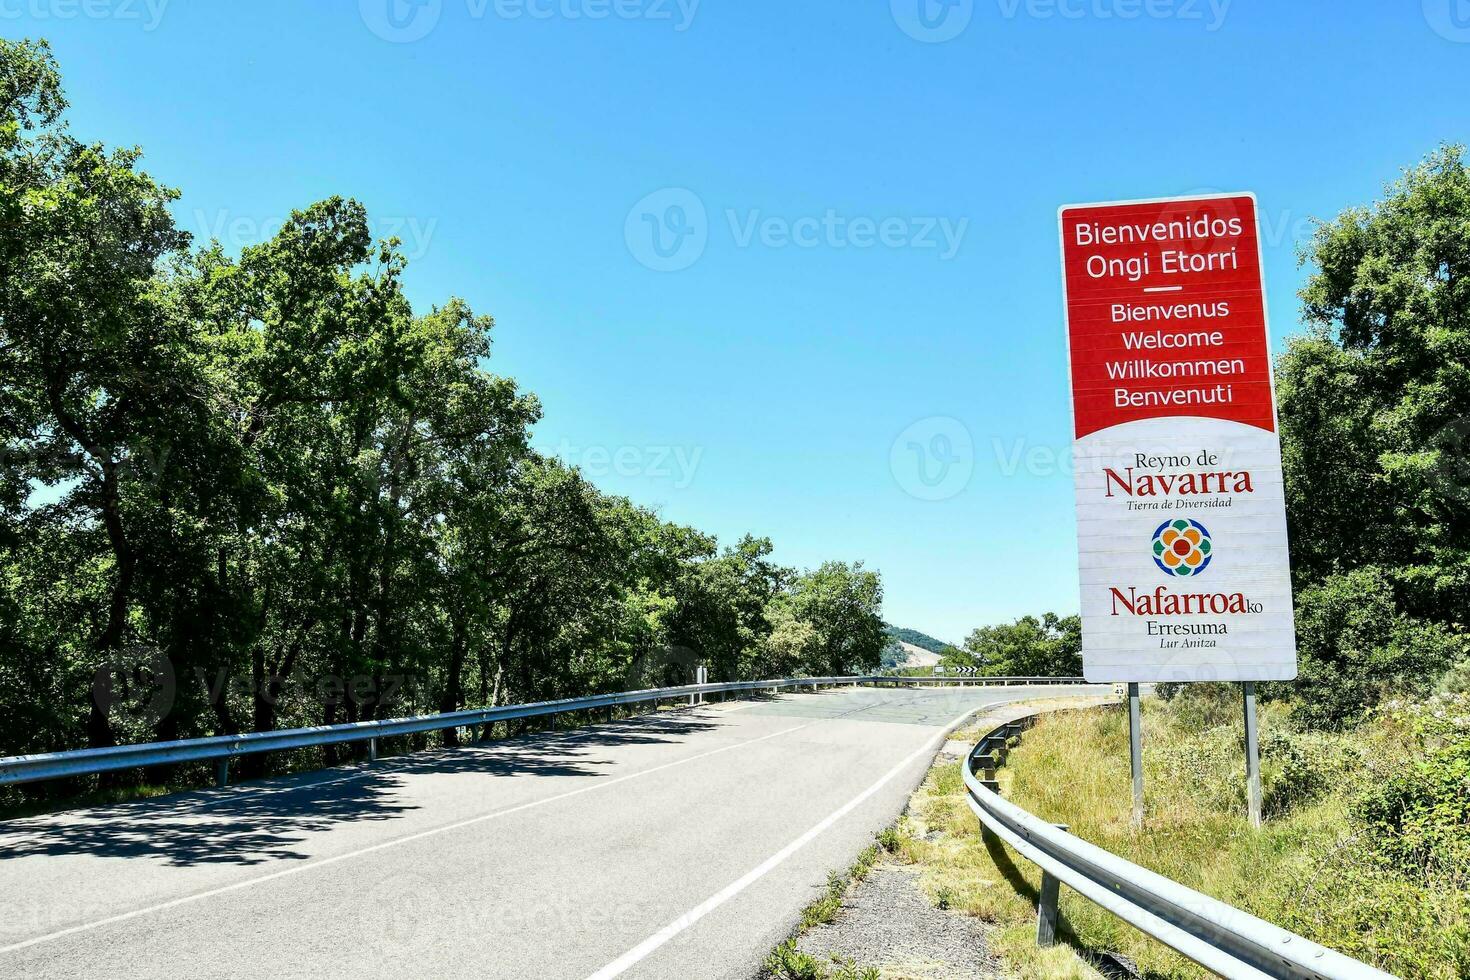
[1135, 752]
[1252, 754]
[1181, 515]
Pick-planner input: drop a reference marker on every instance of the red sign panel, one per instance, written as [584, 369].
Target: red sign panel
[1165, 312]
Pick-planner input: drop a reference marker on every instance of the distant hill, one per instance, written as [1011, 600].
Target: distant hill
[910, 648]
[915, 638]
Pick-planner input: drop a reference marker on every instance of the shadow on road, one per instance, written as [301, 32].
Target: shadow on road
[251, 823]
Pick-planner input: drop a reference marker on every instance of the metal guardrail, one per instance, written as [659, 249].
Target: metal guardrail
[966, 679]
[1215, 935]
[222, 748]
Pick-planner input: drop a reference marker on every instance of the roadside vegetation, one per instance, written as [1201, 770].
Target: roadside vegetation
[1366, 848]
[242, 492]
[786, 962]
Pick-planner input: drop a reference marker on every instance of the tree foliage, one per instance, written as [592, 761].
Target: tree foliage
[1375, 422]
[1050, 646]
[241, 492]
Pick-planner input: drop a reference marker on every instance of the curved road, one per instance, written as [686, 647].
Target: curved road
[682, 845]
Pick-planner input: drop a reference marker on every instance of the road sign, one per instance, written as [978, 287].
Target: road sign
[1181, 518]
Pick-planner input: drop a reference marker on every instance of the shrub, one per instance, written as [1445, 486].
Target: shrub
[786, 962]
[1356, 649]
[1298, 768]
[1456, 680]
[1201, 706]
[1420, 814]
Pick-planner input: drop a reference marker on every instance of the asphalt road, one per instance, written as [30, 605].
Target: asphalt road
[681, 846]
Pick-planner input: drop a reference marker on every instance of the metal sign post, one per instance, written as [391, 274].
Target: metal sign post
[1252, 754]
[1135, 752]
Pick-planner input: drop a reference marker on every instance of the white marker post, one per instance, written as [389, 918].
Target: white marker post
[1181, 515]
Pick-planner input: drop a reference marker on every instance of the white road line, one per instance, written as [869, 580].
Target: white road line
[237, 886]
[653, 942]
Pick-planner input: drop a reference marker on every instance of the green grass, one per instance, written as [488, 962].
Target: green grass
[1315, 867]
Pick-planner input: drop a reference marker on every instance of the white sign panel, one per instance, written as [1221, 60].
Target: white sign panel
[1181, 518]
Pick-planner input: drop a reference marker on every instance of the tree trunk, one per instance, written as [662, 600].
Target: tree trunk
[453, 697]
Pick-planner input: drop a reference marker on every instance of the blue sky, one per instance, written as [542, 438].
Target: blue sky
[848, 333]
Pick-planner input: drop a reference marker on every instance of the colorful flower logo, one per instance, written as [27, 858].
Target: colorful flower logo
[1182, 547]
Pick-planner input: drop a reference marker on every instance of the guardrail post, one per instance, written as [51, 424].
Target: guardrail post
[222, 772]
[372, 750]
[1046, 910]
[1046, 906]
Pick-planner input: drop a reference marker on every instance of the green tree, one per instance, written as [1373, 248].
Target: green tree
[842, 603]
[1050, 646]
[1356, 648]
[1375, 399]
[1375, 425]
[722, 602]
[96, 378]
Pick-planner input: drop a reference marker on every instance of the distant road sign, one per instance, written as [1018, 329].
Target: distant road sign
[1181, 517]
